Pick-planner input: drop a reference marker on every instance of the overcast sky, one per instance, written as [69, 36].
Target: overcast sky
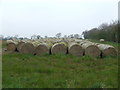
[48, 17]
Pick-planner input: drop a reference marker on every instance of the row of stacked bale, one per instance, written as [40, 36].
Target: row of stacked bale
[74, 47]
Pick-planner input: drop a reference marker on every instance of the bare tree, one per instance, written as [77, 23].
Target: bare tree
[65, 36]
[46, 36]
[58, 35]
[15, 37]
[103, 26]
[38, 36]
[76, 36]
[34, 37]
[71, 36]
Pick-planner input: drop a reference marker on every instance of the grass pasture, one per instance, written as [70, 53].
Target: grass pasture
[58, 71]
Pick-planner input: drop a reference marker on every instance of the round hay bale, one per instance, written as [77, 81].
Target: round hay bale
[91, 50]
[81, 43]
[42, 49]
[101, 40]
[107, 50]
[78, 40]
[84, 41]
[27, 48]
[11, 45]
[75, 49]
[59, 48]
[19, 45]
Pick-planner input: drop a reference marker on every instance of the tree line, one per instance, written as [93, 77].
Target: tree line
[58, 35]
[108, 32]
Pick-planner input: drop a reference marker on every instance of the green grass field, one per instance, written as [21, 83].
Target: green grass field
[58, 71]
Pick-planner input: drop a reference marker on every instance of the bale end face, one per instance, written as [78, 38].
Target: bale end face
[11, 47]
[19, 46]
[109, 52]
[41, 49]
[93, 51]
[59, 49]
[75, 50]
[27, 48]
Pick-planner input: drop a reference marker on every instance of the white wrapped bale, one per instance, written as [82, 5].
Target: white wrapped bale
[101, 40]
